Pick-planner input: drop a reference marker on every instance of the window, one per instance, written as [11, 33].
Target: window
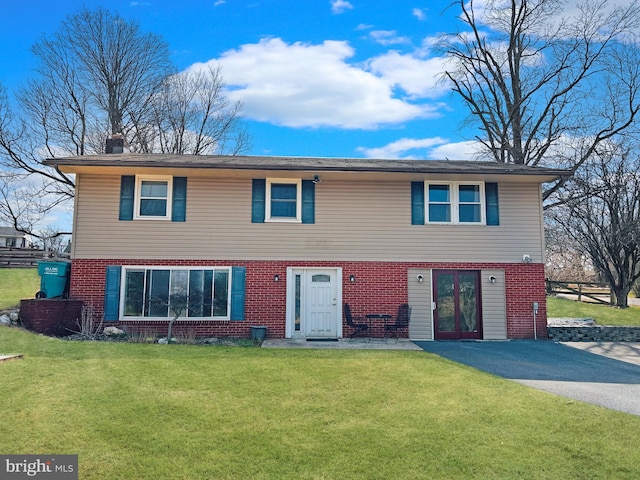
[283, 202]
[439, 203]
[153, 197]
[453, 202]
[469, 204]
[160, 292]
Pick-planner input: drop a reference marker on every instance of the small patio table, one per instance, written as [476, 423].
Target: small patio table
[376, 316]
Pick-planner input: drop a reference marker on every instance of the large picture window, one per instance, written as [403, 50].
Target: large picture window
[453, 202]
[160, 293]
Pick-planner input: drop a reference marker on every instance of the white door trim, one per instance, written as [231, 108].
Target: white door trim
[291, 298]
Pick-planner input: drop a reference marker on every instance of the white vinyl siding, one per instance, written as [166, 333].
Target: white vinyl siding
[354, 220]
[494, 308]
[420, 298]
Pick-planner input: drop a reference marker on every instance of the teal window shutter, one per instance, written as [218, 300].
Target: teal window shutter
[127, 193]
[493, 210]
[258, 200]
[417, 203]
[179, 200]
[112, 294]
[238, 287]
[308, 201]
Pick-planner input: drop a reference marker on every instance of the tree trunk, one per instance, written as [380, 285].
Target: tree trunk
[619, 296]
[170, 328]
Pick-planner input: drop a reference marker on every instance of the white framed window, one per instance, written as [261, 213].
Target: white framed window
[153, 197]
[455, 203]
[283, 200]
[158, 293]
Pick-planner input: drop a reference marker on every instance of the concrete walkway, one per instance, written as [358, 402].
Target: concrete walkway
[343, 344]
[569, 371]
[623, 351]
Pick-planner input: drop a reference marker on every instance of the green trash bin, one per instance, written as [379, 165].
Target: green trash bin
[259, 333]
[54, 279]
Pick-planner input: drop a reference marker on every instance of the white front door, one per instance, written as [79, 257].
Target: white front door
[314, 303]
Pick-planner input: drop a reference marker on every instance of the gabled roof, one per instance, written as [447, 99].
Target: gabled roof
[317, 164]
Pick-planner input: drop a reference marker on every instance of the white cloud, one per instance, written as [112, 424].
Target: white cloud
[416, 76]
[419, 14]
[388, 37]
[340, 6]
[435, 148]
[401, 148]
[307, 85]
[466, 150]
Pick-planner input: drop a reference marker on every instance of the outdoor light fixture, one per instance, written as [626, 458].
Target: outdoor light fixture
[352, 278]
[316, 179]
[420, 278]
[492, 279]
[526, 258]
[276, 278]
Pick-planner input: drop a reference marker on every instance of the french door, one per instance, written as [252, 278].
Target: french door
[456, 295]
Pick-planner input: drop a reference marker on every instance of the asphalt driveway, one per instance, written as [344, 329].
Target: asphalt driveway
[552, 367]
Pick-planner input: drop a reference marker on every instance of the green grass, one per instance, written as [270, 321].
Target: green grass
[16, 284]
[186, 412]
[602, 314]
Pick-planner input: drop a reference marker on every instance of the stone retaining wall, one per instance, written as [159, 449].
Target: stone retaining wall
[594, 334]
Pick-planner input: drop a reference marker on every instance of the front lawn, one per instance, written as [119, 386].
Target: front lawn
[16, 284]
[145, 411]
[602, 314]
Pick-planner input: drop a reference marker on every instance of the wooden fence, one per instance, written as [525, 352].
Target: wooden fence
[13, 257]
[582, 291]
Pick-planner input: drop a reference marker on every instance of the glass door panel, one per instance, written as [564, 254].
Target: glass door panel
[446, 303]
[468, 302]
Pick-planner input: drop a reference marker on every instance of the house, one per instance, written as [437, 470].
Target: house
[285, 242]
[9, 237]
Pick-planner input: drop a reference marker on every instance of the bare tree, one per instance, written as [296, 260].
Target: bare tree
[119, 65]
[603, 218]
[24, 204]
[544, 88]
[99, 75]
[191, 115]
[93, 70]
[565, 259]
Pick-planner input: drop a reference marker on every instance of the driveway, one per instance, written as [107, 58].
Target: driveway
[552, 367]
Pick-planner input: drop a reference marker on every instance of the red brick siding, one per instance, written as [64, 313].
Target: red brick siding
[378, 286]
[51, 316]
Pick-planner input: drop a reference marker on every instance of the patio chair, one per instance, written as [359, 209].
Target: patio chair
[359, 328]
[392, 330]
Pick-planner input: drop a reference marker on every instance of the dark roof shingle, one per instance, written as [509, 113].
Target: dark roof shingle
[301, 163]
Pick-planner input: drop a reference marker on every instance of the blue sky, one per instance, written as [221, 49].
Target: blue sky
[331, 78]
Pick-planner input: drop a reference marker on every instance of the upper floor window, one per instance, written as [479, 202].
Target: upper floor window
[153, 197]
[454, 202]
[283, 200]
